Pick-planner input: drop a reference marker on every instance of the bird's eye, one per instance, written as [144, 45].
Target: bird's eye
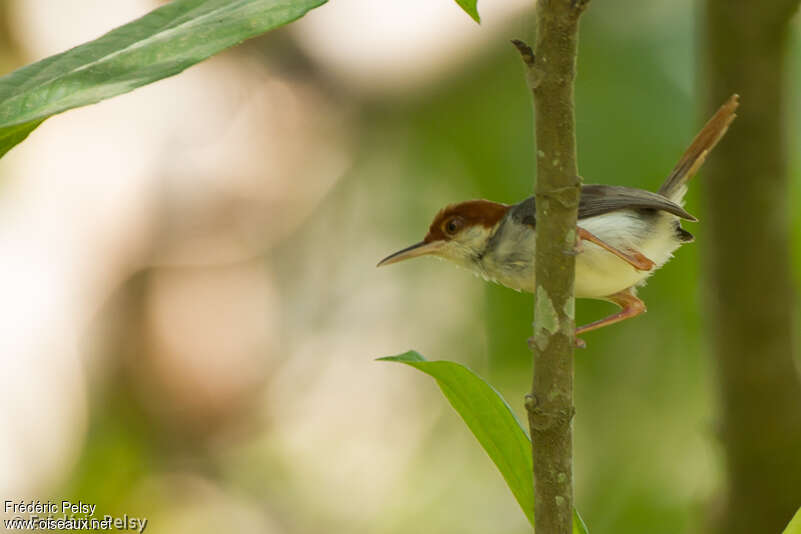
[453, 225]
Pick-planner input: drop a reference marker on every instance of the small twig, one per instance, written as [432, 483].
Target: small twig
[533, 73]
[525, 52]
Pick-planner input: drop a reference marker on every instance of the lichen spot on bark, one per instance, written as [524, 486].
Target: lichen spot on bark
[546, 320]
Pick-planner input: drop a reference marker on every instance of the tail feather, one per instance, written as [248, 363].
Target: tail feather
[675, 185]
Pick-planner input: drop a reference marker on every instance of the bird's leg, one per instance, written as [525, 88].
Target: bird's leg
[636, 259]
[630, 306]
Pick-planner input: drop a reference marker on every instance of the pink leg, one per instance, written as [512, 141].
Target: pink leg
[630, 305]
[635, 259]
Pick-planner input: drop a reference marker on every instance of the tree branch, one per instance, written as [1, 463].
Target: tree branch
[749, 284]
[551, 69]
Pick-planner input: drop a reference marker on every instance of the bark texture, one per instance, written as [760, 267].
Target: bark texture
[751, 298]
[551, 71]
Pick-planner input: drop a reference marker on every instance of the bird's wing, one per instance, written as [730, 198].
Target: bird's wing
[600, 199]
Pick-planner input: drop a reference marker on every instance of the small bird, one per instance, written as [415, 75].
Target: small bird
[624, 234]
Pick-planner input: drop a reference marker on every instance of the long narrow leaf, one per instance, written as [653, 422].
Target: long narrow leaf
[491, 421]
[162, 43]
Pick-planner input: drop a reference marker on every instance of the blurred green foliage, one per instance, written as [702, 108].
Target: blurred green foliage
[645, 437]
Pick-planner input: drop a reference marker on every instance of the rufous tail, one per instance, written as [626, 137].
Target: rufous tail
[675, 185]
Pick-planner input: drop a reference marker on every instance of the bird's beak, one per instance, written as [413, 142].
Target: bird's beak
[418, 249]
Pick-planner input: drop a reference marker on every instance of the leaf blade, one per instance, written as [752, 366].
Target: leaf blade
[490, 420]
[471, 8]
[160, 44]
[14, 135]
[511, 453]
[795, 524]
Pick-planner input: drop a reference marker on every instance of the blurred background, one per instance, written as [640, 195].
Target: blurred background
[190, 309]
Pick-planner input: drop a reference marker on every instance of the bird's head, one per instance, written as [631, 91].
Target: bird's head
[459, 233]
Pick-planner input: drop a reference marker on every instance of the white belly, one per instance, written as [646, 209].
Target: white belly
[600, 273]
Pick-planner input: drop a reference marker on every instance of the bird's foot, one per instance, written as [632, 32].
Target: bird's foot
[577, 249]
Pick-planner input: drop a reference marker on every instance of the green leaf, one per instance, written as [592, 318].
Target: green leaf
[795, 524]
[470, 8]
[491, 421]
[578, 524]
[162, 43]
[14, 135]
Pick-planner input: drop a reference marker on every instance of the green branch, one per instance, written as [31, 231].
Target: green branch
[551, 69]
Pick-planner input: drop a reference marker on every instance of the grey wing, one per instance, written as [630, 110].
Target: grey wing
[600, 199]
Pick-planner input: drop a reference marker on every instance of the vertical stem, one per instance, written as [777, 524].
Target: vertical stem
[551, 71]
[749, 285]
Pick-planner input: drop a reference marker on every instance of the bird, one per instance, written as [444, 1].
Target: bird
[624, 234]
